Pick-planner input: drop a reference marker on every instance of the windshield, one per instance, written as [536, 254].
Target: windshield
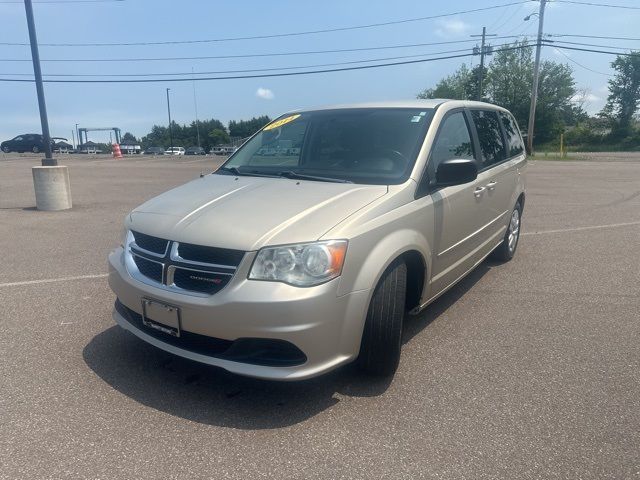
[365, 145]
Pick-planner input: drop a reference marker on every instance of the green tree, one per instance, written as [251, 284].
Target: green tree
[183, 135]
[624, 94]
[508, 82]
[245, 128]
[129, 138]
[218, 136]
[454, 86]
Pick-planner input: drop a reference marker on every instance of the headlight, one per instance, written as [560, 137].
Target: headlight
[302, 265]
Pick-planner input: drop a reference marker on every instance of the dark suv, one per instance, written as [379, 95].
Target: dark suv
[195, 151]
[29, 142]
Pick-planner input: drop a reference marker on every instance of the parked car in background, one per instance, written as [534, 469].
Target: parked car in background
[286, 267]
[223, 150]
[28, 142]
[154, 151]
[174, 151]
[195, 151]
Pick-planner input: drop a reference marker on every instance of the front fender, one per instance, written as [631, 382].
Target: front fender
[366, 262]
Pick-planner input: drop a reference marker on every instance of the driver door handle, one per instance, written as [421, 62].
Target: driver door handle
[478, 191]
[492, 184]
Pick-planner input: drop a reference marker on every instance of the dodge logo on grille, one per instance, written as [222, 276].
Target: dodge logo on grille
[205, 279]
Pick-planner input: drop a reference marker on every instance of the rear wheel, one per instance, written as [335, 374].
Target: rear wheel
[35, 149]
[507, 249]
[382, 336]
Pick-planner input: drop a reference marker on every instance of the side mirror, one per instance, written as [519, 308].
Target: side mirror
[456, 171]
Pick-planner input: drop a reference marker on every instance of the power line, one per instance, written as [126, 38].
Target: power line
[62, 2]
[598, 51]
[513, 14]
[283, 74]
[517, 27]
[593, 4]
[556, 42]
[243, 70]
[279, 35]
[602, 37]
[248, 55]
[581, 65]
[251, 55]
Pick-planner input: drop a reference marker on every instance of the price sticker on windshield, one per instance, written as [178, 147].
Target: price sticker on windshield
[281, 122]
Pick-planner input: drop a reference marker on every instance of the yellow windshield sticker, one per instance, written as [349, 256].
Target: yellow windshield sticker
[281, 122]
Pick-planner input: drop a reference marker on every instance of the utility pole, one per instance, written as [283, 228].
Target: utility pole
[484, 50]
[48, 160]
[170, 129]
[536, 78]
[195, 105]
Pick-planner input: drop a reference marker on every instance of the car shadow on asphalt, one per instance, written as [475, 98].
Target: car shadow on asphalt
[212, 396]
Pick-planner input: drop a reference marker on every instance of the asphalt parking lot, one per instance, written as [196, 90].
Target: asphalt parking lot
[529, 369]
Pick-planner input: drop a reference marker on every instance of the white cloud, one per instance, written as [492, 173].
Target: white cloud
[264, 93]
[451, 28]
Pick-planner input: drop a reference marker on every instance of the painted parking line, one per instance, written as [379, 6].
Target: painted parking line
[53, 280]
[579, 229]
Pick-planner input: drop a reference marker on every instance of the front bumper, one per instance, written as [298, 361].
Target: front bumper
[327, 328]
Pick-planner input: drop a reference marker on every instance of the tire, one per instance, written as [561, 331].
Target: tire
[507, 248]
[35, 149]
[382, 336]
[6, 149]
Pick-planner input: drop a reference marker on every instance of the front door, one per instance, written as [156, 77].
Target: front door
[458, 218]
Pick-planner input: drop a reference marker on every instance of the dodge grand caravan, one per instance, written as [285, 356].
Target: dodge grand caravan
[287, 266]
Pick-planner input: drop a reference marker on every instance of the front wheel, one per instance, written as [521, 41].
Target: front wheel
[507, 249]
[6, 149]
[382, 336]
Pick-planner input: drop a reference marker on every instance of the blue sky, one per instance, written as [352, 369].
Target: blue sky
[136, 107]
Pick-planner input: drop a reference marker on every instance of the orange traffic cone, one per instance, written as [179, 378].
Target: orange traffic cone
[116, 151]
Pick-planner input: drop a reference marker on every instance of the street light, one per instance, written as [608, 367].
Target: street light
[170, 129]
[50, 180]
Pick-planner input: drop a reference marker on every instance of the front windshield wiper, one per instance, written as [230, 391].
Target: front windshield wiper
[301, 176]
[236, 171]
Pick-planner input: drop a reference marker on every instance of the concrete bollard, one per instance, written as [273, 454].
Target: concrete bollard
[53, 190]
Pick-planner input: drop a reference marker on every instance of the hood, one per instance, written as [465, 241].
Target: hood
[247, 213]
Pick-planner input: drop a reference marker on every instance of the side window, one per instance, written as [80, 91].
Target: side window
[489, 136]
[453, 141]
[514, 140]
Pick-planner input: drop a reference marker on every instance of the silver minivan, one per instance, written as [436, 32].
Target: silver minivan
[289, 265]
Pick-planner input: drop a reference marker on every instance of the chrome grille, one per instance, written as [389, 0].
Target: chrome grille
[217, 256]
[182, 267]
[149, 268]
[151, 244]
